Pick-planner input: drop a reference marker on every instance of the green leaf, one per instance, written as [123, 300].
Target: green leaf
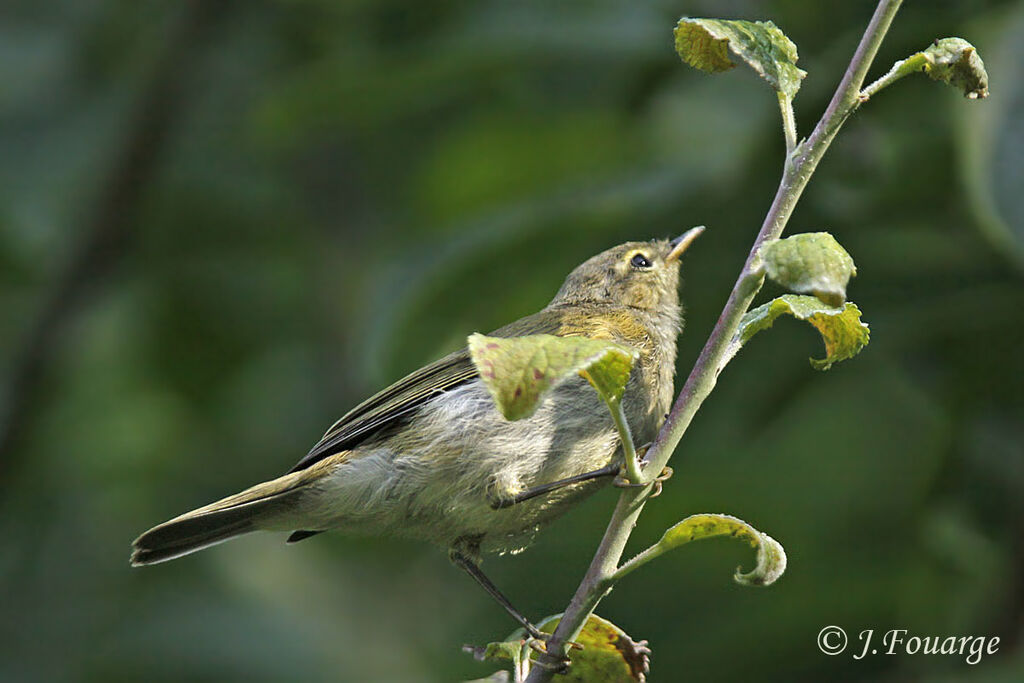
[519, 371]
[771, 558]
[841, 328]
[810, 263]
[956, 62]
[514, 649]
[609, 655]
[705, 44]
[510, 650]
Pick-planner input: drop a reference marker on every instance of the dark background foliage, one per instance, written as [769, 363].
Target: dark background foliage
[223, 224]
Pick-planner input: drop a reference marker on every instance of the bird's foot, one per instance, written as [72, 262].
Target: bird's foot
[539, 643]
[622, 481]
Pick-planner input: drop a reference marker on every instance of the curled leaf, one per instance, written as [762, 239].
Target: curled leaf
[519, 371]
[705, 44]
[953, 61]
[956, 62]
[771, 558]
[810, 263]
[841, 328]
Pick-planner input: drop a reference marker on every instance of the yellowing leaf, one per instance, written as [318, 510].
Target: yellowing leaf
[705, 44]
[609, 655]
[810, 263]
[519, 371]
[771, 558]
[841, 328]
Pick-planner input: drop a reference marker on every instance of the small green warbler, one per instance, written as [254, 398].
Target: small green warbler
[431, 457]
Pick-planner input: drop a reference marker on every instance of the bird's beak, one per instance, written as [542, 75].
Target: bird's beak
[681, 243]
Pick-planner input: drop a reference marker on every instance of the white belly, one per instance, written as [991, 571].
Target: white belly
[436, 479]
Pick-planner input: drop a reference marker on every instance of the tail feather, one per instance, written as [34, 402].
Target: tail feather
[264, 506]
[148, 549]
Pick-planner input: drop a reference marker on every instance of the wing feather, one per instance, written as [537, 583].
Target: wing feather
[409, 393]
[399, 399]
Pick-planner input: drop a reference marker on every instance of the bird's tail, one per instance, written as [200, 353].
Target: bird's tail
[270, 505]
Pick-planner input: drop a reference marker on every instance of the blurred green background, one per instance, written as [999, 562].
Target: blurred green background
[223, 224]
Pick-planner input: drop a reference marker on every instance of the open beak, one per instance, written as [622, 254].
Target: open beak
[681, 243]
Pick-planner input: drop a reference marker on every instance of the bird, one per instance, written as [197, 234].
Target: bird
[430, 457]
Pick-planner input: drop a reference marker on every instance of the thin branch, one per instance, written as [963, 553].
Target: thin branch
[599, 577]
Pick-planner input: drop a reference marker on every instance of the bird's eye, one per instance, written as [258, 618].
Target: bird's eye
[639, 261]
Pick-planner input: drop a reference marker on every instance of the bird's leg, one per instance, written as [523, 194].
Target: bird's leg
[473, 569]
[459, 559]
[498, 502]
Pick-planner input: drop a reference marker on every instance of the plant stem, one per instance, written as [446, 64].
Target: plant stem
[788, 122]
[638, 561]
[902, 68]
[798, 170]
[631, 462]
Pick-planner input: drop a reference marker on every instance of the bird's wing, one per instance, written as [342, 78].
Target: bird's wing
[401, 398]
[409, 393]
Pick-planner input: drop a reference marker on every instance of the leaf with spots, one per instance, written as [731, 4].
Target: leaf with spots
[609, 655]
[810, 263]
[771, 557]
[841, 328]
[519, 371]
[705, 44]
